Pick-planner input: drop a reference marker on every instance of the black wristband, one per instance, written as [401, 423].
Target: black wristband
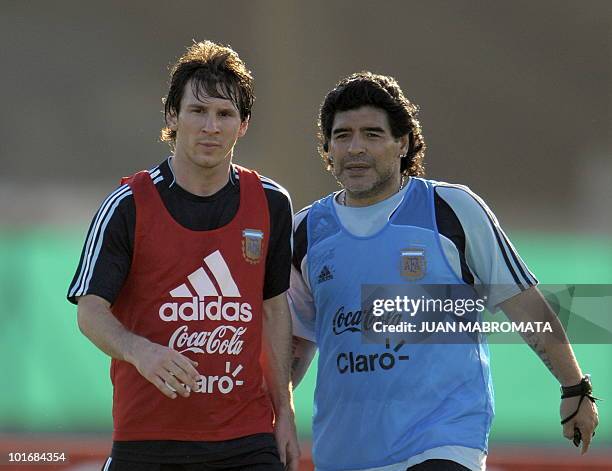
[583, 388]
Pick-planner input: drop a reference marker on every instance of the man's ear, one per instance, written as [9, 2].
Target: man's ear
[172, 120]
[244, 125]
[404, 144]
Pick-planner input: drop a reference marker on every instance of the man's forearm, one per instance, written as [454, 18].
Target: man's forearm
[99, 325]
[302, 352]
[277, 352]
[165, 368]
[553, 348]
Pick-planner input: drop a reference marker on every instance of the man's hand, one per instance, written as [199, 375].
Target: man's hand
[276, 360]
[166, 368]
[286, 441]
[556, 353]
[585, 420]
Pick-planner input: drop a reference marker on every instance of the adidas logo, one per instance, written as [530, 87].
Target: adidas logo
[325, 274]
[201, 286]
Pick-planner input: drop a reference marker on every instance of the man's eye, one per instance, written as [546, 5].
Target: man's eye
[372, 135]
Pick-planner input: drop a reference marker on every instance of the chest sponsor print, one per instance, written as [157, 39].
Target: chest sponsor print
[210, 293]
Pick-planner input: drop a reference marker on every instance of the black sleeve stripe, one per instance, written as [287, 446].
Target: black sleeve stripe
[300, 237]
[95, 235]
[449, 226]
[530, 281]
[496, 231]
[505, 247]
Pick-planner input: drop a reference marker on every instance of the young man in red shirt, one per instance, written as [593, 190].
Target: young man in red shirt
[182, 282]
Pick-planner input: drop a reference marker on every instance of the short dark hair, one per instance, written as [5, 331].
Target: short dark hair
[213, 69]
[379, 91]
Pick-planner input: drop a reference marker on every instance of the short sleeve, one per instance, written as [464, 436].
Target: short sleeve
[278, 259]
[301, 302]
[107, 252]
[499, 271]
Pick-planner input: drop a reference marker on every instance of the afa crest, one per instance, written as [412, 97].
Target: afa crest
[413, 264]
[252, 244]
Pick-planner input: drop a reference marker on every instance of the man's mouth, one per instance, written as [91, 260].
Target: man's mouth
[356, 167]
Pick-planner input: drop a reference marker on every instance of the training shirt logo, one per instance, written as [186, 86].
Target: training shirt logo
[206, 298]
[325, 275]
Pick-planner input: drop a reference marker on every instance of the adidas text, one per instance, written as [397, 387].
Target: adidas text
[199, 309]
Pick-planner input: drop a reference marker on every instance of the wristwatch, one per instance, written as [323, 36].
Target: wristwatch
[583, 388]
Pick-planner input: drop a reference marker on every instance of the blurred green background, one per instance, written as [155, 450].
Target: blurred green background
[56, 381]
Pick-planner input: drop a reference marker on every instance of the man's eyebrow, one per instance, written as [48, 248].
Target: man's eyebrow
[366, 129]
[202, 104]
[373, 129]
[340, 130]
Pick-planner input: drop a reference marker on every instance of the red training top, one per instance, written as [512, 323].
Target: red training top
[200, 293]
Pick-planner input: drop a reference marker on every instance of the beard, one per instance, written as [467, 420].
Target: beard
[386, 179]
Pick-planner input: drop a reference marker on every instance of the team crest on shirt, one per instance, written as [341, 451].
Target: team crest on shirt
[252, 242]
[413, 264]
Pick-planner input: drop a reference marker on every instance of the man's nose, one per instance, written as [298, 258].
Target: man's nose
[356, 146]
[210, 123]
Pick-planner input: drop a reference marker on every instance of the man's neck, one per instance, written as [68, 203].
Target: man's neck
[360, 200]
[197, 180]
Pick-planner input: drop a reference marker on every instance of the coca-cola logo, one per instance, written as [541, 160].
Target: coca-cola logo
[361, 320]
[224, 339]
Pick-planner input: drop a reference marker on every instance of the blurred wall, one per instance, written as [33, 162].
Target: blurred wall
[515, 96]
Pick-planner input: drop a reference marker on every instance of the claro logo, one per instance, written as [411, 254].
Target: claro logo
[352, 362]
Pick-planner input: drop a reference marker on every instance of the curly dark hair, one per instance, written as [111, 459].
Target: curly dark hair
[380, 91]
[214, 70]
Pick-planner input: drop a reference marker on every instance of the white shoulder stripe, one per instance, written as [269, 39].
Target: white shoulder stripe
[270, 181]
[300, 216]
[155, 172]
[96, 233]
[93, 234]
[267, 183]
[95, 237]
[280, 189]
[513, 262]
